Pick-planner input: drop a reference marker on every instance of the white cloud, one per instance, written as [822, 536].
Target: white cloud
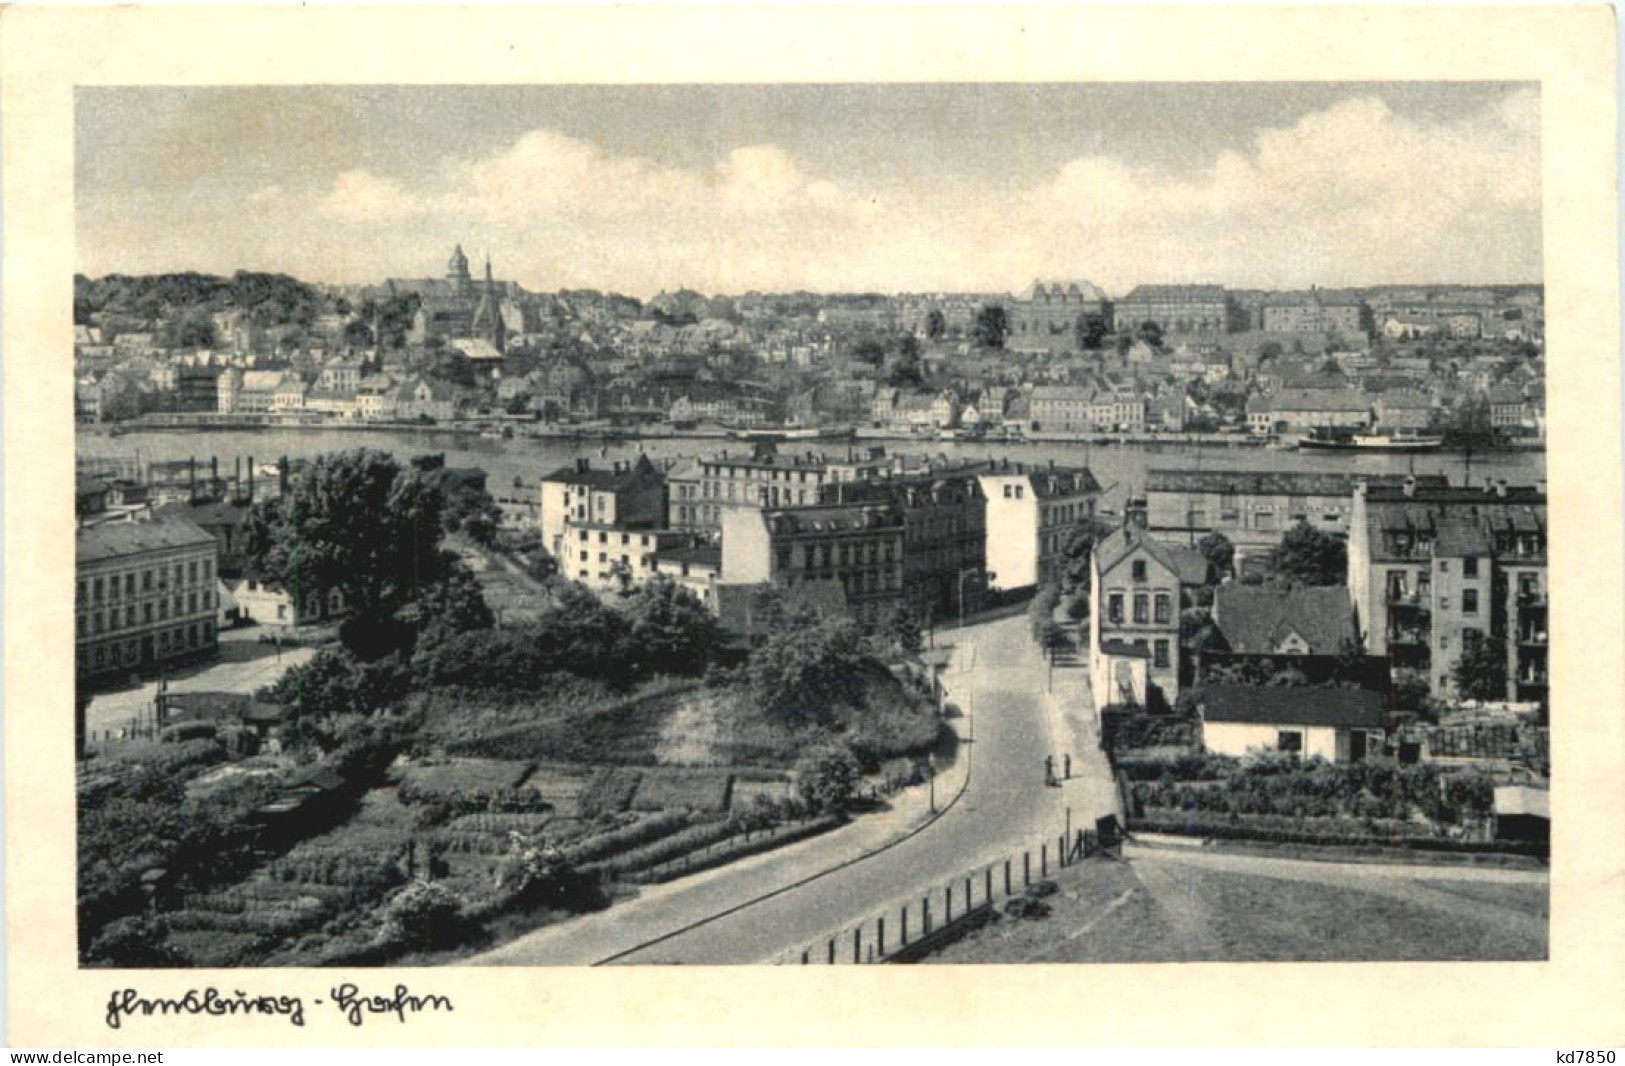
[1352, 193]
[360, 196]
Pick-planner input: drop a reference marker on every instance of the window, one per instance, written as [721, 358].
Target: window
[129, 581]
[1139, 569]
[1444, 566]
[1142, 608]
[1469, 566]
[1469, 601]
[1289, 740]
[1009, 492]
[1160, 653]
[1444, 602]
[1229, 517]
[1163, 607]
[1114, 607]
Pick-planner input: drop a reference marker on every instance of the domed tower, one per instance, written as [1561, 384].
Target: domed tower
[462, 283]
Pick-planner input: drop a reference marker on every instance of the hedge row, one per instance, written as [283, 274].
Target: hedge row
[738, 848]
[665, 849]
[1241, 830]
[616, 841]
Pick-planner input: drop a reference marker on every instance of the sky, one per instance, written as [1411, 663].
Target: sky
[888, 188]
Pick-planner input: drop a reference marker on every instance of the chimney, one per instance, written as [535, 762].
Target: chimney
[1410, 485]
[1501, 488]
[582, 464]
[1019, 467]
[1540, 486]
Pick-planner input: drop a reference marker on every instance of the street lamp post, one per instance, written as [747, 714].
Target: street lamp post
[963, 574]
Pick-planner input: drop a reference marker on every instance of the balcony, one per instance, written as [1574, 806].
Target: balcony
[1404, 599]
[1534, 638]
[1532, 598]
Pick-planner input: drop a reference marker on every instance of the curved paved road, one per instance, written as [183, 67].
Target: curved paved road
[999, 678]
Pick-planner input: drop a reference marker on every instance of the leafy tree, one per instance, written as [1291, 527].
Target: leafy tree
[1091, 330]
[670, 630]
[354, 521]
[123, 399]
[357, 334]
[1151, 333]
[1041, 613]
[827, 777]
[1220, 554]
[583, 634]
[903, 367]
[471, 511]
[991, 326]
[1481, 671]
[454, 604]
[1076, 556]
[869, 350]
[334, 682]
[806, 666]
[936, 324]
[194, 329]
[1308, 556]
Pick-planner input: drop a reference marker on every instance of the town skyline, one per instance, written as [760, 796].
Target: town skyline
[734, 189]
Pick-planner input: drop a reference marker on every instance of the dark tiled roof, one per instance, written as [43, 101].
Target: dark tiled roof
[1286, 705]
[117, 539]
[610, 479]
[1277, 482]
[1174, 293]
[1255, 620]
[1187, 564]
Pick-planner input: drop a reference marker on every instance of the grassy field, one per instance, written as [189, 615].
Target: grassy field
[1153, 908]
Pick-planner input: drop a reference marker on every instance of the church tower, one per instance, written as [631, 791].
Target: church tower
[462, 283]
[488, 324]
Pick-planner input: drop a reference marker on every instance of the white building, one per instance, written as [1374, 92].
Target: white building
[1031, 514]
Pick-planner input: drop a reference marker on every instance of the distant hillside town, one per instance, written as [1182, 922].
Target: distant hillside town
[1059, 360]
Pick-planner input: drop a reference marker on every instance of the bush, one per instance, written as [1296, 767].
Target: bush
[827, 778]
[423, 916]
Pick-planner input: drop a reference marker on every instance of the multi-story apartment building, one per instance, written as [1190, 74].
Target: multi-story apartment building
[628, 495]
[1031, 514]
[855, 547]
[1254, 508]
[1176, 309]
[766, 477]
[145, 597]
[612, 557]
[1045, 317]
[1314, 312]
[944, 532]
[1431, 568]
[1084, 409]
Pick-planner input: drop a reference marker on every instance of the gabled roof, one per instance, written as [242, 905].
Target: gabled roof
[1341, 708]
[1188, 566]
[1254, 621]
